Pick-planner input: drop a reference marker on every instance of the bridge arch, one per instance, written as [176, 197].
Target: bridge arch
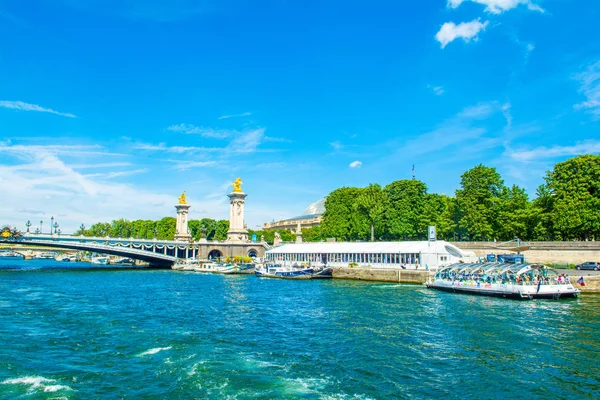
[252, 253]
[215, 253]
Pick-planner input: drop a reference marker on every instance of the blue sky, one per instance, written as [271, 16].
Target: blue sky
[111, 109]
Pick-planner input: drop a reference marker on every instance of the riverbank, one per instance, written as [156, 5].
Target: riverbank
[395, 275]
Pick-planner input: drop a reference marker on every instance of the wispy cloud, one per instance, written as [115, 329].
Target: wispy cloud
[590, 87]
[356, 164]
[337, 145]
[116, 174]
[438, 90]
[174, 149]
[276, 139]
[546, 153]
[204, 132]
[498, 6]
[247, 142]
[465, 31]
[22, 106]
[245, 114]
[99, 165]
[187, 165]
[64, 150]
[462, 128]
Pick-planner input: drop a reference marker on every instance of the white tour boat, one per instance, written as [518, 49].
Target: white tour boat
[516, 281]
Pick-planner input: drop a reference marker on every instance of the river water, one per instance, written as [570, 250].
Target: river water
[81, 334]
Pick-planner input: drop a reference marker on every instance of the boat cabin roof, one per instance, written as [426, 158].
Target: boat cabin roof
[491, 268]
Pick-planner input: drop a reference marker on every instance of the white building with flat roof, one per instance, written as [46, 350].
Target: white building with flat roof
[408, 255]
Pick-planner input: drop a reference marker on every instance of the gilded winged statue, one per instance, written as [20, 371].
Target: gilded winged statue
[182, 199]
[237, 185]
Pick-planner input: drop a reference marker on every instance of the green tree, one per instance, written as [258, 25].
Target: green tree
[574, 186]
[406, 205]
[479, 200]
[313, 234]
[340, 220]
[371, 203]
[221, 228]
[516, 217]
[166, 228]
[437, 210]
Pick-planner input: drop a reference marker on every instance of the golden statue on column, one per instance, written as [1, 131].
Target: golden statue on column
[237, 185]
[182, 199]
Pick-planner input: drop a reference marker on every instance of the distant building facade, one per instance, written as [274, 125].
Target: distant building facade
[311, 217]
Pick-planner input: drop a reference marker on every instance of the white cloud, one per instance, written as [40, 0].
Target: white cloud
[538, 153]
[22, 106]
[116, 174]
[204, 132]
[246, 114]
[438, 90]
[355, 164]
[337, 145]
[175, 149]
[465, 30]
[187, 165]
[247, 142]
[64, 150]
[276, 139]
[462, 128]
[590, 88]
[498, 6]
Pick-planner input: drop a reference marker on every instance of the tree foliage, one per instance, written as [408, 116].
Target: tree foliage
[566, 207]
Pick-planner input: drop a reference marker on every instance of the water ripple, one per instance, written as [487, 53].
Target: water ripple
[162, 334]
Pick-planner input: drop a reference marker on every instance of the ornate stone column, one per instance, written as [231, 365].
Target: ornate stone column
[237, 232]
[298, 233]
[181, 229]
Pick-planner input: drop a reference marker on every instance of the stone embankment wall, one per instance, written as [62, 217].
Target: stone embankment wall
[562, 253]
[381, 275]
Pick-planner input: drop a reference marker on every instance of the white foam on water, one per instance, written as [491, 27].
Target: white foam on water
[194, 369]
[36, 383]
[154, 351]
[55, 388]
[392, 286]
[344, 396]
[305, 385]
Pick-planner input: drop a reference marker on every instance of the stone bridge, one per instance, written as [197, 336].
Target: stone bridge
[158, 253]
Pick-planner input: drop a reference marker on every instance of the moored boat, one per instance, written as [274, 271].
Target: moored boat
[10, 254]
[269, 270]
[123, 262]
[516, 281]
[66, 258]
[101, 260]
[44, 256]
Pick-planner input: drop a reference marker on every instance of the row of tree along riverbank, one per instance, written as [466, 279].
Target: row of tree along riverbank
[566, 207]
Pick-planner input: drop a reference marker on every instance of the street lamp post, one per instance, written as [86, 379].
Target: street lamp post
[55, 226]
[155, 233]
[28, 224]
[51, 224]
[41, 226]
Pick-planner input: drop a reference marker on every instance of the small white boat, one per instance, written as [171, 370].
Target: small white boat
[10, 254]
[516, 281]
[210, 267]
[66, 258]
[269, 270]
[44, 256]
[123, 262]
[101, 260]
